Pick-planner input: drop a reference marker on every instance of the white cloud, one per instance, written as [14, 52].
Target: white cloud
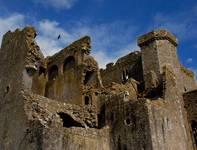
[189, 60]
[109, 41]
[10, 23]
[48, 31]
[56, 4]
[103, 58]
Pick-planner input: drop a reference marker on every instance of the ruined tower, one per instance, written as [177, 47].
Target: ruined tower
[158, 49]
[146, 100]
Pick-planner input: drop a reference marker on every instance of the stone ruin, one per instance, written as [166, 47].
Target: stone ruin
[145, 101]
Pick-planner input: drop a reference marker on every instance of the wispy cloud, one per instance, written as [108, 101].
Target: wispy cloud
[48, 32]
[109, 41]
[195, 46]
[183, 24]
[56, 4]
[104, 58]
[10, 23]
[189, 60]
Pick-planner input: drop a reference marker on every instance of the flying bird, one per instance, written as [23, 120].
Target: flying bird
[59, 36]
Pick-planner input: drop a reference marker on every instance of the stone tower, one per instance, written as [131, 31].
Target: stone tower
[158, 49]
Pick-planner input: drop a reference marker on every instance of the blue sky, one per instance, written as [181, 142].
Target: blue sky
[114, 25]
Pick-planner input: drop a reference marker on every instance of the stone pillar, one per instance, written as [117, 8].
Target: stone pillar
[158, 49]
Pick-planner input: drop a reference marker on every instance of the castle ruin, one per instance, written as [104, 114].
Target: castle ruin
[146, 100]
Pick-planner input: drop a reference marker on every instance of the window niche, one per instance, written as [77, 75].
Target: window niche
[42, 71]
[194, 130]
[128, 121]
[69, 63]
[53, 73]
[112, 117]
[31, 70]
[88, 76]
[125, 75]
[87, 100]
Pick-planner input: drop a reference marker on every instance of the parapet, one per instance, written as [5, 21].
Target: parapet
[160, 34]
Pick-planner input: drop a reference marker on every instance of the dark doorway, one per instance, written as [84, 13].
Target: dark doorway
[42, 70]
[125, 76]
[53, 72]
[194, 130]
[88, 76]
[68, 121]
[87, 100]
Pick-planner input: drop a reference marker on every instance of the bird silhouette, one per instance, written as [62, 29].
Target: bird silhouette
[59, 36]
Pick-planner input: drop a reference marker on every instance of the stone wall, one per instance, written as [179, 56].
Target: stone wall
[129, 66]
[129, 122]
[17, 63]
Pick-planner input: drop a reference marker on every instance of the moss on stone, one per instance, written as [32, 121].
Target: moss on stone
[187, 72]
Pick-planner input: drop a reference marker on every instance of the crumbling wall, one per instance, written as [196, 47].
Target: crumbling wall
[158, 49]
[129, 66]
[129, 124]
[71, 73]
[187, 80]
[168, 123]
[17, 66]
[58, 132]
[46, 110]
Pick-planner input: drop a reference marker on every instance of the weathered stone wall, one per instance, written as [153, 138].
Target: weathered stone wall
[77, 138]
[70, 74]
[129, 122]
[129, 66]
[168, 122]
[158, 49]
[187, 80]
[17, 57]
[55, 132]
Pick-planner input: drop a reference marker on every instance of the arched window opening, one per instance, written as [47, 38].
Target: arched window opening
[88, 76]
[69, 63]
[53, 72]
[7, 89]
[112, 117]
[119, 143]
[185, 89]
[128, 121]
[87, 100]
[125, 76]
[125, 147]
[101, 117]
[31, 70]
[194, 130]
[42, 70]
